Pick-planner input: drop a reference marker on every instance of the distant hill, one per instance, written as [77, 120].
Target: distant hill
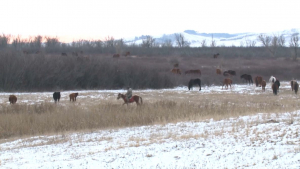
[222, 39]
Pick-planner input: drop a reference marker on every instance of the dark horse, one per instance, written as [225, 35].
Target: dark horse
[275, 86]
[247, 77]
[193, 82]
[56, 96]
[229, 73]
[134, 98]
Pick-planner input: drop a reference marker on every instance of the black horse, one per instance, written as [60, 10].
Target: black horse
[247, 77]
[193, 82]
[275, 86]
[229, 73]
[296, 86]
[277, 83]
[56, 96]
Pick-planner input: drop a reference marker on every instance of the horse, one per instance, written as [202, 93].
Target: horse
[64, 54]
[296, 87]
[193, 82]
[247, 77]
[263, 85]
[195, 71]
[292, 84]
[73, 96]
[56, 96]
[275, 88]
[258, 80]
[272, 79]
[218, 71]
[127, 53]
[216, 55]
[116, 56]
[176, 71]
[134, 98]
[227, 82]
[176, 65]
[277, 83]
[12, 99]
[229, 73]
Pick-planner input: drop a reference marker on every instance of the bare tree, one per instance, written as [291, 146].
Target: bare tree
[167, 43]
[269, 42]
[281, 40]
[148, 42]
[203, 43]
[109, 41]
[181, 41]
[294, 44]
[213, 42]
[4, 40]
[249, 42]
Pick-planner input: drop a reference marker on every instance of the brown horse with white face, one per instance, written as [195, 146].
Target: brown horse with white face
[133, 99]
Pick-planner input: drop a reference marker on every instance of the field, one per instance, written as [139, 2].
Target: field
[174, 128]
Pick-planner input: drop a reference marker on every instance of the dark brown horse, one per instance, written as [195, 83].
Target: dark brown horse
[116, 56]
[227, 82]
[73, 96]
[296, 87]
[216, 55]
[258, 80]
[247, 77]
[176, 71]
[12, 99]
[292, 84]
[195, 71]
[64, 54]
[176, 65]
[127, 53]
[275, 88]
[134, 98]
[229, 73]
[263, 85]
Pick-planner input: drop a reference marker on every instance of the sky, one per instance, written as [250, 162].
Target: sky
[97, 19]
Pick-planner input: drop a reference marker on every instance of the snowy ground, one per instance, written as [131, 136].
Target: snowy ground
[258, 141]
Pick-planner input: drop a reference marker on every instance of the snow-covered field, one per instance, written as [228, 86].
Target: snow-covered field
[258, 141]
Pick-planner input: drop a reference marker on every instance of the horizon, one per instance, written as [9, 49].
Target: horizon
[94, 19]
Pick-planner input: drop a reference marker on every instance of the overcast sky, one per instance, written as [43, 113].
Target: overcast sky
[94, 19]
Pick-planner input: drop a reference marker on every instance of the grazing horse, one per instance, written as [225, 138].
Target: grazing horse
[193, 82]
[258, 80]
[275, 88]
[296, 87]
[12, 99]
[64, 54]
[229, 73]
[247, 77]
[73, 96]
[176, 65]
[227, 82]
[116, 56]
[195, 71]
[218, 71]
[176, 71]
[272, 79]
[127, 53]
[292, 84]
[134, 98]
[263, 85]
[216, 55]
[56, 96]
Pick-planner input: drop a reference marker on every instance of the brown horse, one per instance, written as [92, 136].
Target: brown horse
[295, 87]
[292, 84]
[116, 56]
[195, 71]
[176, 71]
[219, 71]
[275, 88]
[127, 53]
[216, 55]
[73, 96]
[64, 54]
[263, 85]
[134, 98]
[12, 99]
[227, 82]
[258, 80]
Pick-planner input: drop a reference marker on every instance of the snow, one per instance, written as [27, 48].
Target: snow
[256, 141]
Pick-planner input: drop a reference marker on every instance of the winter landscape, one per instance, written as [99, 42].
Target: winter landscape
[258, 140]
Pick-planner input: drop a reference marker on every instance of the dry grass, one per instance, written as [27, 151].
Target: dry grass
[92, 111]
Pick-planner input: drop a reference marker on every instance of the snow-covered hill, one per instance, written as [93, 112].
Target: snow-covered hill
[221, 39]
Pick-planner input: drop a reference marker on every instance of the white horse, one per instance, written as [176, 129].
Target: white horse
[272, 79]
